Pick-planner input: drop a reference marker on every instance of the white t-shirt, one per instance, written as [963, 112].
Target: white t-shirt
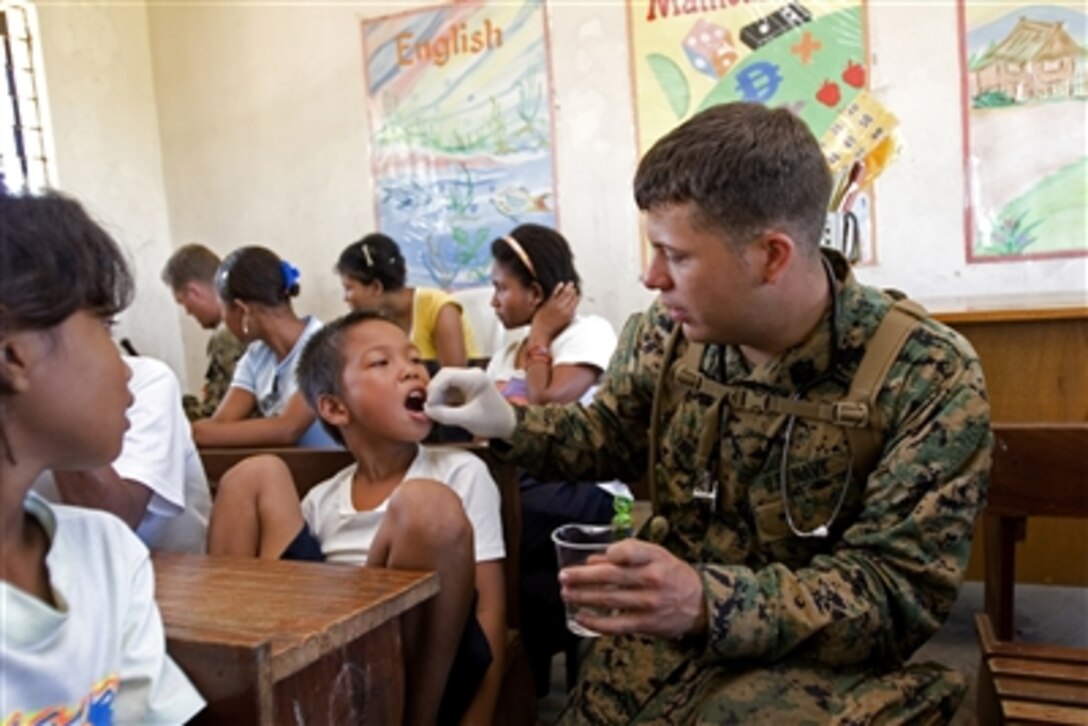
[158, 452]
[100, 656]
[346, 534]
[272, 382]
[588, 340]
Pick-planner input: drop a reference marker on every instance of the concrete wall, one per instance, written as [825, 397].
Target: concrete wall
[107, 151]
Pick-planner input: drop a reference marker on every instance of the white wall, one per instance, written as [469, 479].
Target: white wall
[264, 139]
[97, 67]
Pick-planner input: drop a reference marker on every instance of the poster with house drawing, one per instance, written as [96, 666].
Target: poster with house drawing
[1024, 92]
[459, 105]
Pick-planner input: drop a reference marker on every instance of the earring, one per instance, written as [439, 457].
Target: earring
[245, 326]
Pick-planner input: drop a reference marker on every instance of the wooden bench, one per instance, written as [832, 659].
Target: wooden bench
[309, 467]
[1038, 470]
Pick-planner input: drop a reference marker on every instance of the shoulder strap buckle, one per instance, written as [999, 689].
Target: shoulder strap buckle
[852, 414]
[688, 378]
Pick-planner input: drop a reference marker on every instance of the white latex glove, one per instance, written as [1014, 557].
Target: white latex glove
[483, 410]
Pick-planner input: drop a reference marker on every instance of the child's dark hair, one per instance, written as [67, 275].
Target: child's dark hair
[55, 260]
[374, 257]
[548, 252]
[321, 365]
[256, 274]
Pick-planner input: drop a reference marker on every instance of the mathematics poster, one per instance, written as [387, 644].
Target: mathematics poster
[460, 115]
[1024, 92]
[810, 56]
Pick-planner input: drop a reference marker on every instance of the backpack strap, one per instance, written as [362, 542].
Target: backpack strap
[881, 351]
[856, 413]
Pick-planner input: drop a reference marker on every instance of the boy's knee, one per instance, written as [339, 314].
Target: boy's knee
[429, 511]
[250, 475]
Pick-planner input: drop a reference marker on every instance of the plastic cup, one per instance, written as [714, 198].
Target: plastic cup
[574, 543]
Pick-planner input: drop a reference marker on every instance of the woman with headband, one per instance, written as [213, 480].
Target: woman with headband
[373, 273]
[255, 288]
[558, 359]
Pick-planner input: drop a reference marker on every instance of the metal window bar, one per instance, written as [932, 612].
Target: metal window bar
[23, 159]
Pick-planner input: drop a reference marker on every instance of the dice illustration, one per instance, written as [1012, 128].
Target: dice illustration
[710, 48]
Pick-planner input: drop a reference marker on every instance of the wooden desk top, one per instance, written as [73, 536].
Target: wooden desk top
[298, 610]
[1008, 308]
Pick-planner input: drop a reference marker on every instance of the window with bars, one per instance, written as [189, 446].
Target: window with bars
[23, 159]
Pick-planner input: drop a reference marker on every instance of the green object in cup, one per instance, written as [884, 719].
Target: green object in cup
[622, 525]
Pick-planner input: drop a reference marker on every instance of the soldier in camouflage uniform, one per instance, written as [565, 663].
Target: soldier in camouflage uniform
[190, 273]
[223, 352]
[784, 584]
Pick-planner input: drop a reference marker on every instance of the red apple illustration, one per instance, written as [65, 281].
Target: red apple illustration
[829, 94]
[854, 75]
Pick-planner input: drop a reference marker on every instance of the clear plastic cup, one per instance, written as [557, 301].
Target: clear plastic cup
[574, 543]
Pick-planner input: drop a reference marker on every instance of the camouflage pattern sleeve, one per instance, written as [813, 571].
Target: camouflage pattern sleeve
[223, 352]
[607, 439]
[889, 579]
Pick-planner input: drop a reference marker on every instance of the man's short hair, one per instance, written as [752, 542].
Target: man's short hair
[321, 366]
[190, 263]
[746, 168]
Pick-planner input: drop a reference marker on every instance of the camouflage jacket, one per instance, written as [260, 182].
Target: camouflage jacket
[868, 595]
[223, 352]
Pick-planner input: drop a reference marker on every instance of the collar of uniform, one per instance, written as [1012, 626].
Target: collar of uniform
[811, 357]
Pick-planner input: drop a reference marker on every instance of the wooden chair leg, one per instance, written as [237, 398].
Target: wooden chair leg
[1001, 535]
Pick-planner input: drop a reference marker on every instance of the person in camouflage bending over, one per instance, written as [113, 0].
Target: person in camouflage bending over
[190, 273]
[792, 572]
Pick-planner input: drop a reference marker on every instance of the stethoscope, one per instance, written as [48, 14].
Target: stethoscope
[831, 374]
[706, 484]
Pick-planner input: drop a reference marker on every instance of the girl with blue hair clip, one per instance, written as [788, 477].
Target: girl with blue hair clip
[255, 288]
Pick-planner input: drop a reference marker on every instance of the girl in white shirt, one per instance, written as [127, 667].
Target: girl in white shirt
[559, 359]
[81, 638]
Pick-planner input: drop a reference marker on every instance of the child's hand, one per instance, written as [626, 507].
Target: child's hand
[484, 411]
[555, 314]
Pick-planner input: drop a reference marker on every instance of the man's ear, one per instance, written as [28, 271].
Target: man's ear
[14, 359]
[778, 250]
[333, 411]
[200, 291]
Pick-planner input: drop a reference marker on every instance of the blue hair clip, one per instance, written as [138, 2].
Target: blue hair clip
[290, 274]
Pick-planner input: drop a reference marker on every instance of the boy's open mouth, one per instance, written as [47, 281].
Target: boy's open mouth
[415, 401]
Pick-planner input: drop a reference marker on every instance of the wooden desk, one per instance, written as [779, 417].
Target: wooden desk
[271, 642]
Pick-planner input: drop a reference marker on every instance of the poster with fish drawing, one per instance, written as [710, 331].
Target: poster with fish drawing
[810, 56]
[1024, 92]
[459, 105]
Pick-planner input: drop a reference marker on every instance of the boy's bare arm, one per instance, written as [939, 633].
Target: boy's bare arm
[491, 612]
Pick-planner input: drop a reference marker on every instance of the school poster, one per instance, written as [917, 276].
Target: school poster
[459, 105]
[1024, 92]
[809, 56]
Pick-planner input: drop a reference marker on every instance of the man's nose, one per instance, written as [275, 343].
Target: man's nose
[655, 277]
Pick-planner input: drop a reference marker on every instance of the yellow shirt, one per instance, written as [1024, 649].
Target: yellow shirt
[426, 304]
